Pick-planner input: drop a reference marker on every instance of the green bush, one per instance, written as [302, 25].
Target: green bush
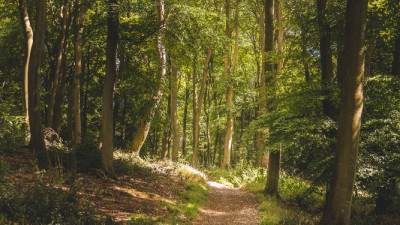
[13, 130]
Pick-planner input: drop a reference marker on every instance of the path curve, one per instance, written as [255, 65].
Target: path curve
[229, 206]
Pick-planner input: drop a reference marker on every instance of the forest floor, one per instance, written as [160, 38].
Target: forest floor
[229, 206]
[144, 191]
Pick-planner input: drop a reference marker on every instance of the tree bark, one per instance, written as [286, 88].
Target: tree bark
[35, 119]
[197, 105]
[142, 132]
[271, 187]
[107, 97]
[325, 57]
[338, 206]
[174, 111]
[185, 111]
[229, 69]
[28, 35]
[56, 71]
[76, 90]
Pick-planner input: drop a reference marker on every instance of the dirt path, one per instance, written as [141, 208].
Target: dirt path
[229, 206]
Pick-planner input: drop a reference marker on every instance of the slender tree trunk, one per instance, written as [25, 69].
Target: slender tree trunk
[325, 57]
[35, 119]
[198, 104]
[76, 97]
[28, 35]
[261, 135]
[57, 117]
[167, 133]
[107, 97]
[174, 111]
[144, 128]
[185, 112]
[229, 70]
[271, 187]
[57, 66]
[338, 206]
[368, 56]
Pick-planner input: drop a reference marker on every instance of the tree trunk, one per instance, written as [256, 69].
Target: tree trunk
[107, 97]
[57, 117]
[174, 111]
[28, 35]
[76, 97]
[338, 206]
[185, 111]
[167, 132]
[271, 187]
[197, 106]
[141, 134]
[56, 71]
[35, 119]
[368, 56]
[229, 69]
[261, 135]
[325, 57]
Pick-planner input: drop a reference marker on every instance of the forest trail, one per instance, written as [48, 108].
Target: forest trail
[229, 206]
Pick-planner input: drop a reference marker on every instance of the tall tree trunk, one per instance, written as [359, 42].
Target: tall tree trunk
[76, 90]
[338, 206]
[141, 133]
[28, 35]
[197, 105]
[325, 57]
[261, 135]
[229, 69]
[107, 97]
[56, 71]
[57, 117]
[35, 118]
[271, 187]
[174, 111]
[167, 132]
[185, 112]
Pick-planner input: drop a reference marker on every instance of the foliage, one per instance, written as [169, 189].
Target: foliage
[13, 129]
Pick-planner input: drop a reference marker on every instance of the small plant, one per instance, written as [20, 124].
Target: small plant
[142, 219]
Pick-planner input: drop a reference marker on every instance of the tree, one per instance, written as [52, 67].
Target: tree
[56, 67]
[35, 118]
[107, 128]
[28, 35]
[143, 130]
[325, 56]
[229, 69]
[338, 206]
[174, 111]
[76, 90]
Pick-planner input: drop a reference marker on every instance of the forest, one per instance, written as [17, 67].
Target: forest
[162, 111]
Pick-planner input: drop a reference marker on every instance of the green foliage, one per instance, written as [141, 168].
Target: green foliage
[13, 129]
[142, 219]
[379, 157]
